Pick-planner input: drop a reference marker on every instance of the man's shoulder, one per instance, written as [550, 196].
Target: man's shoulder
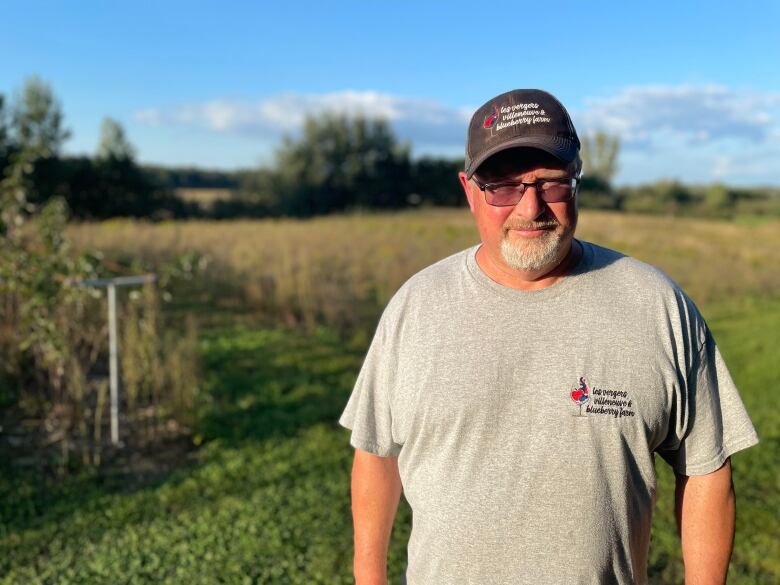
[436, 281]
[441, 271]
[627, 271]
[643, 293]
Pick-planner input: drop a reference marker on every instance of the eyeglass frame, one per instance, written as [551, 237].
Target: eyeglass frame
[535, 184]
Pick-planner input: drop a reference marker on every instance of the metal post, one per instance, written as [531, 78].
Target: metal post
[113, 363]
[113, 351]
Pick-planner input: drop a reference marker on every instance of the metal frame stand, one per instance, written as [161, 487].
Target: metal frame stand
[113, 342]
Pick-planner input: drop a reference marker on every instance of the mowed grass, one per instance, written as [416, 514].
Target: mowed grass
[266, 498]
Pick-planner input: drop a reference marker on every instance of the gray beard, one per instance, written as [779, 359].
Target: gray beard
[535, 254]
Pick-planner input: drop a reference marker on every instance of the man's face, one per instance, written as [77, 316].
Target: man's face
[532, 236]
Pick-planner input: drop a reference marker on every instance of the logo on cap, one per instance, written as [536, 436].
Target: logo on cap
[490, 120]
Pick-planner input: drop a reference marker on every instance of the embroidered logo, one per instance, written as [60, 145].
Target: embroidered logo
[581, 394]
[614, 403]
[490, 120]
[510, 115]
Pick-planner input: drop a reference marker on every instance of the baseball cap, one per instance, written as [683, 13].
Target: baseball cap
[521, 117]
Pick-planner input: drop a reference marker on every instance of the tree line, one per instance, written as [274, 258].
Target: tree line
[108, 184]
[340, 163]
[337, 163]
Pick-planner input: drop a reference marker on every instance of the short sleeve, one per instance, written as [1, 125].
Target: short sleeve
[369, 412]
[709, 421]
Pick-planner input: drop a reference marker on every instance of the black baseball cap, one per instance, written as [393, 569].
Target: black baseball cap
[521, 117]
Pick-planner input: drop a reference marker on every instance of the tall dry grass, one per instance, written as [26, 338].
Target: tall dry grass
[341, 270]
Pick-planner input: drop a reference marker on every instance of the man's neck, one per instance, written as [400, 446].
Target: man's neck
[529, 280]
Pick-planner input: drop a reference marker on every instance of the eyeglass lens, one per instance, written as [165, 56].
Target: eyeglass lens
[549, 192]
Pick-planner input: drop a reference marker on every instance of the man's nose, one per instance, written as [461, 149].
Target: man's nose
[530, 206]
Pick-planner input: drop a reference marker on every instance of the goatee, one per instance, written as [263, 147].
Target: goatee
[535, 253]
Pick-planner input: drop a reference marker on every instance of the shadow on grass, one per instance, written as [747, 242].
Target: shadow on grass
[260, 389]
[270, 383]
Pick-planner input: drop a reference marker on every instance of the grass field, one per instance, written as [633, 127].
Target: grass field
[341, 270]
[205, 198]
[265, 498]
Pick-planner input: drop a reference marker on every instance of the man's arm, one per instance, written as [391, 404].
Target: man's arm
[376, 491]
[705, 506]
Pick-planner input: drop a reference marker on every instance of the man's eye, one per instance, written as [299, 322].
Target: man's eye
[505, 189]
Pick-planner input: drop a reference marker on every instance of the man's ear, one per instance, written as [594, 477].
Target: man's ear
[464, 182]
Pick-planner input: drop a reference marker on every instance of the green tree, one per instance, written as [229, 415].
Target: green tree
[35, 137]
[341, 162]
[110, 185]
[600, 155]
[37, 121]
[113, 142]
[718, 198]
[121, 187]
[33, 251]
[3, 130]
[435, 182]
[33, 122]
[259, 190]
[664, 196]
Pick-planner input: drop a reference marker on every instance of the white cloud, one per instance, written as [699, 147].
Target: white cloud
[151, 116]
[723, 166]
[693, 132]
[694, 114]
[415, 119]
[697, 133]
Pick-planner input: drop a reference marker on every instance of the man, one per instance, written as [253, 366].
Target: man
[518, 390]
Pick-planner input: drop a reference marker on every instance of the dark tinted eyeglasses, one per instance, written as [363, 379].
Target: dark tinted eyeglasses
[511, 192]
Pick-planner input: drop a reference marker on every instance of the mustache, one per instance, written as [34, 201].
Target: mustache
[531, 225]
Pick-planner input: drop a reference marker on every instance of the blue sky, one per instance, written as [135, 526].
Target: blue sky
[692, 88]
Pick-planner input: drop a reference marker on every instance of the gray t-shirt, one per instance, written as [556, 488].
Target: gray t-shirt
[525, 422]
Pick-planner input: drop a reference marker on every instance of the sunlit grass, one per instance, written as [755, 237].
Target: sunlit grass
[341, 270]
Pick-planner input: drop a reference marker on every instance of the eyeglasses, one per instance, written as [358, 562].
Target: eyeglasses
[511, 192]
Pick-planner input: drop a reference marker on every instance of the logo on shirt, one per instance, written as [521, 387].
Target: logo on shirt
[603, 401]
[581, 394]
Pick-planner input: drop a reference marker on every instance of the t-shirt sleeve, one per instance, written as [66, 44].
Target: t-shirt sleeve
[709, 421]
[369, 412]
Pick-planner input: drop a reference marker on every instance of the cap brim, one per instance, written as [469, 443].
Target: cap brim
[563, 149]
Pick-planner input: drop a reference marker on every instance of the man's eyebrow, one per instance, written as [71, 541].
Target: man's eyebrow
[508, 173]
[554, 173]
[544, 174]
